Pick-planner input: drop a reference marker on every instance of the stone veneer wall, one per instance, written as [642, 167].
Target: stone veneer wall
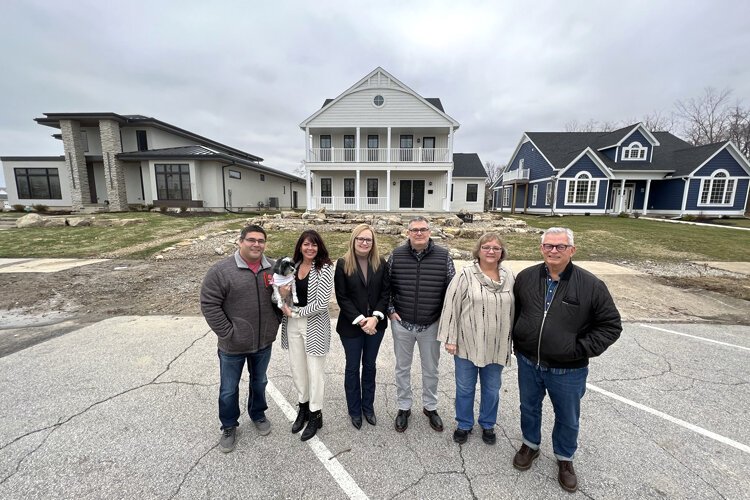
[114, 169]
[75, 160]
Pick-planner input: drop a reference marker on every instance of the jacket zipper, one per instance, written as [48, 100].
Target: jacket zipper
[257, 294]
[544, 318]
[416, 295]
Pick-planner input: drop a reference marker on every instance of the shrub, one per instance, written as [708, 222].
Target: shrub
[623, 215]
[163, 209]
[688, 217]
[636, 214]
[40, 208]
[18, 207]
[183, 209]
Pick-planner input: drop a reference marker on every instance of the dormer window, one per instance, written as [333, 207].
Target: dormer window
[635, 151]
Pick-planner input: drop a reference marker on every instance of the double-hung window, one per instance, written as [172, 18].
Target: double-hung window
[582, 190]
[717, 189]
[472, 192]
[325, 190]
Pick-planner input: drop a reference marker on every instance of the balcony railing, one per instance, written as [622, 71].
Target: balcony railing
[380, 155]
[520, 174]
[366, 203]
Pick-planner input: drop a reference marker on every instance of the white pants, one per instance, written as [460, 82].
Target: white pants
[308, 372]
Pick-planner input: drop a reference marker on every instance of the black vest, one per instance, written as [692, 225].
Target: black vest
[418, 287]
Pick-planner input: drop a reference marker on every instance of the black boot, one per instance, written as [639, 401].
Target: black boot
[315, 423]
[303, 415]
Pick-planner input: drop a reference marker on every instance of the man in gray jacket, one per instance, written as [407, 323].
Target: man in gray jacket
[236, 302]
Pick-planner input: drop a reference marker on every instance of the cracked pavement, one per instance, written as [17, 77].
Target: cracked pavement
[126, 408]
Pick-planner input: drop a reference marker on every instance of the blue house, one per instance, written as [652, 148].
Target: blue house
[627, 170]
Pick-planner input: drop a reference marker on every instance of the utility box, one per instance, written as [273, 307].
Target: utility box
[273, 202]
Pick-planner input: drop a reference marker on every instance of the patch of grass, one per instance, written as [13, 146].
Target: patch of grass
[734, 222]
[93, 241]
[616, 239]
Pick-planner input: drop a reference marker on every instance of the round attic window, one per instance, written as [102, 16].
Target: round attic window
[378, 101]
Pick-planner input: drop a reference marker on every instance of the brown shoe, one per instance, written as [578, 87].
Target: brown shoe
[566, 476]
[525, 457]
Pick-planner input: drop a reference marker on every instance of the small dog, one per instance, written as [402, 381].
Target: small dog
[283, 274]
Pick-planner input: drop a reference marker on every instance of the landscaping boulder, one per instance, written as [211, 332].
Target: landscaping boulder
[30, 220]
[79, 221]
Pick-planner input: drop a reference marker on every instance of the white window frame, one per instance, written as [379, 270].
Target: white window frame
[476, 194]
[506, 196]
[709, 184]
[520, 164]
[635, 151]
[534, 192]
[548, 194]
[592, 189]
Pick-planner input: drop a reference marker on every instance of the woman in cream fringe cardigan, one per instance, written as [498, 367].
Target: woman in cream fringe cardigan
[475, 327]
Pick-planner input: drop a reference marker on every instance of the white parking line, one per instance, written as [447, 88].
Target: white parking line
[681, 423]
[696, 337]
[344, 480]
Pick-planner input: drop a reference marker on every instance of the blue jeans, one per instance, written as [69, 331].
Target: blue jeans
[566, 387]
[360, 396]
[490, 378]
[230, 366]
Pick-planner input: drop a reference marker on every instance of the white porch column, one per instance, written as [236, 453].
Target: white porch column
[308, 184]
[622, 196]
[645, 200]
[448, 191]
[450, 143]
[307, 143]
[388, 190]
[388, 155]
[685, 194]
[356, 189]
[356, 151]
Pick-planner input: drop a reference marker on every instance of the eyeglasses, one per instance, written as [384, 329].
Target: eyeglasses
[364, 241]
[253, 241]
[560, 248]
[489, 249]
[415, 230]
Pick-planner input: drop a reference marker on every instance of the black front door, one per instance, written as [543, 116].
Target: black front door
[411, 194]
[92, 182]
[294, 199]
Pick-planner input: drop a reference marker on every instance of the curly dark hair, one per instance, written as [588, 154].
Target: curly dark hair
[312, 235]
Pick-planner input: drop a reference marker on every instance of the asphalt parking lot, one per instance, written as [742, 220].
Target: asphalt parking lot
[126, 408]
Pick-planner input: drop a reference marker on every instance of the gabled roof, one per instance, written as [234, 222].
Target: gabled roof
[92, 119]
[201, 153]
[394, 83]
[468, 165]
[687, 160]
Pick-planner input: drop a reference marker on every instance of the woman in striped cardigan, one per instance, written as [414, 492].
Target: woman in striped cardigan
[306, 331]
[475, 326]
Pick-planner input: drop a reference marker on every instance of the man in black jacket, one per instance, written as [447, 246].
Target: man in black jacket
[236, 302]
[564, 316]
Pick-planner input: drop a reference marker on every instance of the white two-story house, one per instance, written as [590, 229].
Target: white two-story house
[380, 146]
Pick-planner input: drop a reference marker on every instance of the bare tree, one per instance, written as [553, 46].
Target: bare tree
[658, 121]
[738, 128]
[706, 118]
[590, 126]
[300, 171]
[494, 170]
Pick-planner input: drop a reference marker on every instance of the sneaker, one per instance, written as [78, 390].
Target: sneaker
[488, 436]
[263, 425]
[460, 436]
[228, 439]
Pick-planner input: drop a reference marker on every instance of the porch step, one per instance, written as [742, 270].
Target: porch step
[91, 208]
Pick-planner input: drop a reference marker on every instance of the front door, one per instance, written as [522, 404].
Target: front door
[411, 194]
[92, 182]
[294, 199]
[428, 149]
[627, 202]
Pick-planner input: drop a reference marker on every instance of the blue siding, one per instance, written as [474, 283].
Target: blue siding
[666, 195]
[600, 201]
[521, 188]
[610, 153]
[540, 195]
[635, 137]
[740, 193]
[584, 164]
[725, 161]
[639, 194]
[533, 160]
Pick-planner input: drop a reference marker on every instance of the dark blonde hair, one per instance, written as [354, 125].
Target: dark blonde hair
[487, 237]
[350, 257]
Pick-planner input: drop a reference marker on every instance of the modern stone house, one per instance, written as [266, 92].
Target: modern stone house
[380, 146]
[113, 161]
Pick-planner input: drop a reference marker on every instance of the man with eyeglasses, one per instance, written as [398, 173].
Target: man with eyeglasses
[419, 272]
[564, 316]
[236, 302]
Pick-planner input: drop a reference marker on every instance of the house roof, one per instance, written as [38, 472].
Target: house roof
[202, 153]
[92, 119]
[395, 83]
[672, 155]
[468, 165]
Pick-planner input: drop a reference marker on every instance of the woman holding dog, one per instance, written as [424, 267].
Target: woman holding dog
[475, 327]
[306, 330]
[362, 289]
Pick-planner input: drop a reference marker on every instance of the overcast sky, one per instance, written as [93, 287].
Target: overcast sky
[247, 73]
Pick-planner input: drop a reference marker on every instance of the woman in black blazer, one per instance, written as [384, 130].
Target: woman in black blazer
[362, 288]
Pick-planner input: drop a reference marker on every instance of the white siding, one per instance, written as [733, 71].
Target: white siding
[94, 140]
[159, 139]
[459, 195]
[400, 110]
[10, 180]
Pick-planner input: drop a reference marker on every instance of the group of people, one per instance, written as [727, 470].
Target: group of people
[554, 316]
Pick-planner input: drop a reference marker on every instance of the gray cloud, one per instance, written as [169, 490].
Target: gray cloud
[247, 74]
